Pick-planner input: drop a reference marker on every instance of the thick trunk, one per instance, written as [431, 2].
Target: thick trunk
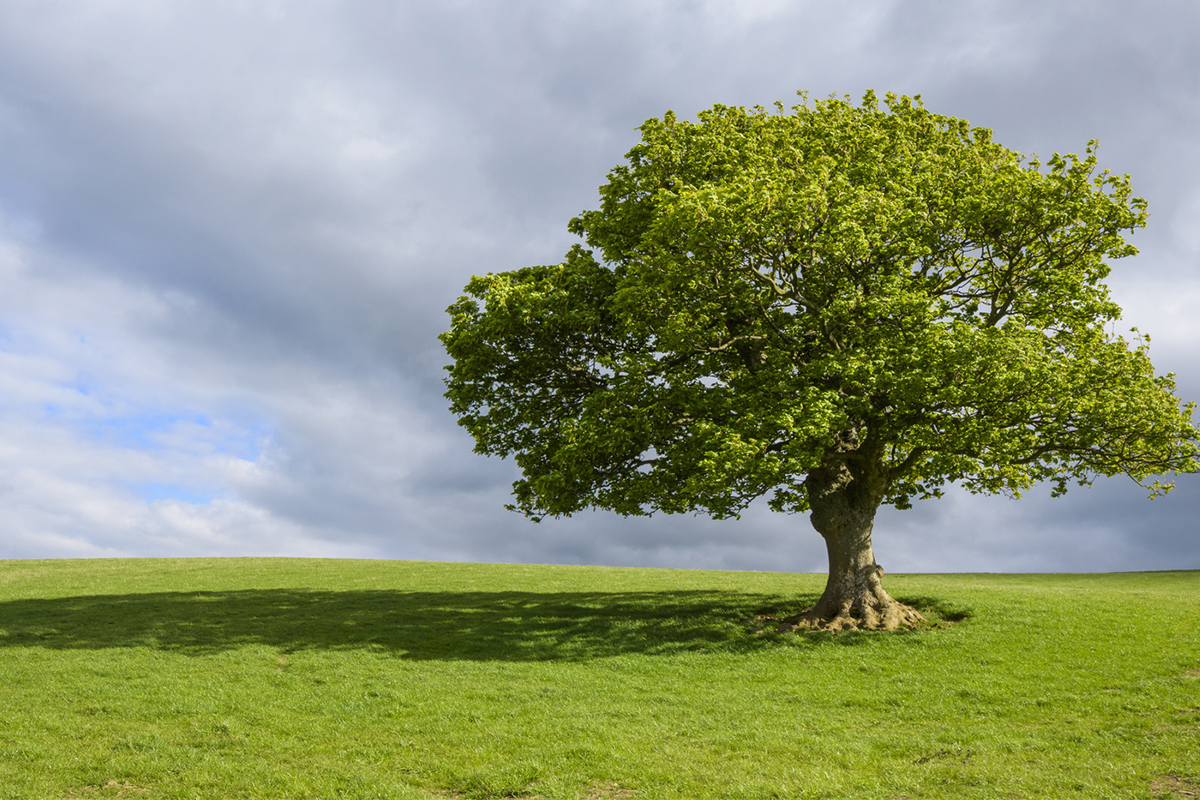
[844, 498]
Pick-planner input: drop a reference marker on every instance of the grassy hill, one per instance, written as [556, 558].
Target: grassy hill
[149, 678]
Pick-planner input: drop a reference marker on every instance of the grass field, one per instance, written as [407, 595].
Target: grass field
[316, 678]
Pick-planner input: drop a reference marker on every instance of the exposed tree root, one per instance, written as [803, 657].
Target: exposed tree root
[890, 617]
[859, 603]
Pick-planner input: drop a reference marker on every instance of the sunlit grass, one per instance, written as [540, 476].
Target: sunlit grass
[313, 678]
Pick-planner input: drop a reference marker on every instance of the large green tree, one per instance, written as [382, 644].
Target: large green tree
[837, 306]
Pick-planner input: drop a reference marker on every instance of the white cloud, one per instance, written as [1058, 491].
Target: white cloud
[1185, 224]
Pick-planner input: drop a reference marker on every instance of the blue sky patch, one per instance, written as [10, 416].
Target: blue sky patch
[151, 492]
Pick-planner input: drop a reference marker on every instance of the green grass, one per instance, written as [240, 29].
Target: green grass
[315, 678]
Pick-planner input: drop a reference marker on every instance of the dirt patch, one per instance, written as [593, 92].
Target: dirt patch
[1174, 786]
[110, 789]
[597, 791]
[1192, 673]
[607, 791]
[955, 754]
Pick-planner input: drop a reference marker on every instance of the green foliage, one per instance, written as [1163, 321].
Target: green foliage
[295, 678]
[763, 291]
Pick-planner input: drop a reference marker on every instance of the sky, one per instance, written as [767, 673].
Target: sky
[229, 232]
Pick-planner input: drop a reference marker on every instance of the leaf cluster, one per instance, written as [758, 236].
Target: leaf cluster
[762, 292]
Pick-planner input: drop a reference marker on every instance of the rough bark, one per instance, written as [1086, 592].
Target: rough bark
[844, 496]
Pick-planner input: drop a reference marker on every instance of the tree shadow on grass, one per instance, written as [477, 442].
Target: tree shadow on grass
[475, 626]
[942, 611]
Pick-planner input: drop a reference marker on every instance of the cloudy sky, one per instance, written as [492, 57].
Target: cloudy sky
[229, 231]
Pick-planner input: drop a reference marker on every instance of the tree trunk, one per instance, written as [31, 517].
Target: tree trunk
[844, 497]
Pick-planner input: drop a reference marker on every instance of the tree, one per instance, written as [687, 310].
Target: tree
[835, 306]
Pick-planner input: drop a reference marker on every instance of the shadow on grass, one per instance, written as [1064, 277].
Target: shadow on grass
[942, 611]
[476, 626]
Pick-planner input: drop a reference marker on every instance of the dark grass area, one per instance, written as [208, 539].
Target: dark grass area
[472, 625]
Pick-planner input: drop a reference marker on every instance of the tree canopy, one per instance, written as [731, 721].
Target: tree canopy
[833, 303]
